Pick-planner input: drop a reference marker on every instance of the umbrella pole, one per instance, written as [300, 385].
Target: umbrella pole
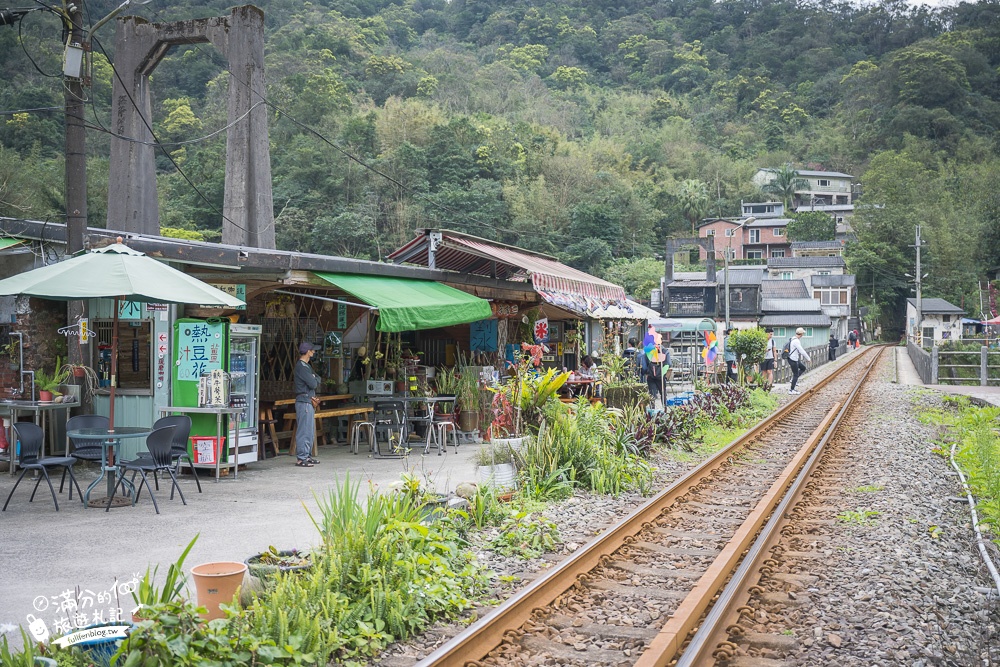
[114, 367]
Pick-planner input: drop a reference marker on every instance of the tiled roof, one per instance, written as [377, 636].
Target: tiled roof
[742, 276]
[935, 306]
[783, 289]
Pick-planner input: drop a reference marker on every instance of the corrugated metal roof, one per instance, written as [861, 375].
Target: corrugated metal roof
[810, 320]
[846, 280]
[935, 306]
[692, 283]
[690, 275]
[470, 254]
[790, 305]
[770, 222]
[805, 262]
[806, 172]
[742, 275]
[783, 289]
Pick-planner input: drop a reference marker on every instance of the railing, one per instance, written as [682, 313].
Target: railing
[818, 356]
[967, 367]
[923, 362]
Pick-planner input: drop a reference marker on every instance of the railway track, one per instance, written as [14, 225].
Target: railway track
[652, 590]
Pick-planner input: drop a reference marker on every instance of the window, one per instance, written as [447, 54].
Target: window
[755, 254]
[135, 353]
[786, 275]
[823, 183]
[946, 318]
[777, 253]
[780, 332]
[730, 232]
[840, 219]
[822, 273]
[809, 332]
[778, 231]
[754, 236]
[737, 295]
[709, 232]
[831, 297]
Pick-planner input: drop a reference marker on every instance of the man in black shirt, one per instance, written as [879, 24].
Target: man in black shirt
[305, 382]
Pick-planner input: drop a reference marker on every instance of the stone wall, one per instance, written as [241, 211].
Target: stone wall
[39, 320]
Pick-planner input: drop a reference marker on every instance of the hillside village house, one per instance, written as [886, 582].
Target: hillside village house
[940, 321]
[761, 239]
[824, 187]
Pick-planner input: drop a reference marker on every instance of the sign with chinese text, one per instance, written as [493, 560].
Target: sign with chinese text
[129, 310]
[199, 349]
[341, 315]
[483, 336]
[239, 291]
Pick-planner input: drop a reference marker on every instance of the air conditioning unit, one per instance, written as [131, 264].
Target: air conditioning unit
[379, 388]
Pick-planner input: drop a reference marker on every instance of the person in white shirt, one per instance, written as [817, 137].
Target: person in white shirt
[797, 359]
[767, 366]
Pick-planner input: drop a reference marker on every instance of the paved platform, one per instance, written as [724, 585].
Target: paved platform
[47, 553]
[906, 373]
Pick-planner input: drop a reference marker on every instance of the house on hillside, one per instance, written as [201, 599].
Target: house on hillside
[824, 187]
[837, 294]
[744, 295]
[817, 249]
[753, 241]
[795, 268]
[940, 321]
[785, 315]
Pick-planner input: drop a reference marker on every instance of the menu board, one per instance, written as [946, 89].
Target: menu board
[199, 349]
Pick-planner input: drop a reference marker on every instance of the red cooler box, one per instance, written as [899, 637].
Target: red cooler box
[205, 450]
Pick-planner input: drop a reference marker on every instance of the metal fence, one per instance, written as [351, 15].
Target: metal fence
[969, 367]
[818, 356]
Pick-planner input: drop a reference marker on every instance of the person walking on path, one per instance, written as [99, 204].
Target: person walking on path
[305, 383]
[770, 356]
[833, 347]
[852, 339]
[730, 357]
[796, 359]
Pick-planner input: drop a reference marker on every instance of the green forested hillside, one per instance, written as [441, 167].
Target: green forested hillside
[582, 129]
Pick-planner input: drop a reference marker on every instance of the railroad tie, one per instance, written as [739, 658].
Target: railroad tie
[689, 534]
[750, 661]
[673, 551]
[654, 572]
[599, 630]
[626, 590]
[566, 653]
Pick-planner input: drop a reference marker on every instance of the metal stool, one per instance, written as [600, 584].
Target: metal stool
[356, 428]
[437, 436]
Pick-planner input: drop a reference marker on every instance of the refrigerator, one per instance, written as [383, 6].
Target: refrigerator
[244, 388]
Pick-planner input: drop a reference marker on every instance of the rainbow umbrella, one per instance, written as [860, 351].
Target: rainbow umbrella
[711, 350]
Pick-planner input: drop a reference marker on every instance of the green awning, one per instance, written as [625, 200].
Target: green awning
[6, 243]
[670, 325]
[405, 304]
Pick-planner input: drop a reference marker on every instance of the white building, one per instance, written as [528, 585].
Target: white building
[940, 321]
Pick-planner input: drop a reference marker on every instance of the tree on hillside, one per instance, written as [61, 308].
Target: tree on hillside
[785, 183]
[812, 226]
[693, 196]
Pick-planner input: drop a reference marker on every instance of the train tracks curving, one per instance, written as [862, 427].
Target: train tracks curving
[663, 585]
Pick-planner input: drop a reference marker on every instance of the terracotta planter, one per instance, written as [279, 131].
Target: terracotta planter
[45, 396]
[217, 583]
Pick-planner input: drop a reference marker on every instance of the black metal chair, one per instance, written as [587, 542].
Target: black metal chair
[179, 447]
[31, 438]
[86, 450]
[159, 443]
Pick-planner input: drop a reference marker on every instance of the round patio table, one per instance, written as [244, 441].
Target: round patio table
[108, 440]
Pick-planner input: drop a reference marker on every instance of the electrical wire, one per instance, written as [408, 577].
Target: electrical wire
[12, 112]
[20, 40]
[133, 140]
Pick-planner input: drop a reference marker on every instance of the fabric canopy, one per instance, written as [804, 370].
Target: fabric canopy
[405, 304]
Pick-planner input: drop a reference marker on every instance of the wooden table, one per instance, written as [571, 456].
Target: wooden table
[349, 411]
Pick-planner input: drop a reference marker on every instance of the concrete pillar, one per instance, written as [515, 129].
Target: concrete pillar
[983, 370]
[248, 214]
[934, 365]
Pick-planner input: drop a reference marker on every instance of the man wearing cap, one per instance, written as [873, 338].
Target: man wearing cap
[797, 356]
[305, 414]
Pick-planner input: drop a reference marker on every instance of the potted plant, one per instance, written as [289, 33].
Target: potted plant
[48, 383]
[495, 462]
[11, 351]
[272, 561]
[148, 594]
[467, 400]
[446, 383]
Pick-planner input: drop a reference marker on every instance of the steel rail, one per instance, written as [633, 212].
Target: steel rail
[715, 627]
[476, 641]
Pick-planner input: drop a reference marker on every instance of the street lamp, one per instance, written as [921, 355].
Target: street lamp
[728, 251]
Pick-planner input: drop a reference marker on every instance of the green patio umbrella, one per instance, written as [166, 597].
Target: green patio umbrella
[118, 272]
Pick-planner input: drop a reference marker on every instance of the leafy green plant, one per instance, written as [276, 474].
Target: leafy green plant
[23, 658]
[484, 508]
[526, 537]
[749, 345]
[861, 517]
[147, 593]
[51, 381]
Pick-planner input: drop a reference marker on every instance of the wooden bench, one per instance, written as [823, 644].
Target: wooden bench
[349, 411]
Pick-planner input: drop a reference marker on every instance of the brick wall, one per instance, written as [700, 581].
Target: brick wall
[39, 320]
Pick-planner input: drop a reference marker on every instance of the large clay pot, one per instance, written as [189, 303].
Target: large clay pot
[468, 421]
[45, 396]
[217, 583]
